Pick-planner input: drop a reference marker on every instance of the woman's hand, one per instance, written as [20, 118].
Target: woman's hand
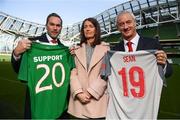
[83, 97]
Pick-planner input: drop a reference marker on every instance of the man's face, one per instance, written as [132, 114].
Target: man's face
[54, 27]
[127, 26]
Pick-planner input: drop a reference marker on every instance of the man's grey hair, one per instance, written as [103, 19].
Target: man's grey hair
[125, 12]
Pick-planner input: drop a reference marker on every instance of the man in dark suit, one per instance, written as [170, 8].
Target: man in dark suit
[126, 24]
[53, 27]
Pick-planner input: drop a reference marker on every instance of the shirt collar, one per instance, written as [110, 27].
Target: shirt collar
[134, 40]
[49, 38]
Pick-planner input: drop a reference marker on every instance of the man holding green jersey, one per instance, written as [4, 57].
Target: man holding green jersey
[31, 59]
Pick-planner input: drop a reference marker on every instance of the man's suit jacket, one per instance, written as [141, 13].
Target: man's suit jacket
[16, 63]
[145, 44]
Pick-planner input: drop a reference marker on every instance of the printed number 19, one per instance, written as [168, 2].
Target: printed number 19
[135, 83]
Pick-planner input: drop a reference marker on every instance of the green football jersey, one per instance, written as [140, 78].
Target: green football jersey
[46, 68]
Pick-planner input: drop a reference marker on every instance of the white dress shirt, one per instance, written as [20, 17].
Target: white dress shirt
[134, 41]
[49, 39]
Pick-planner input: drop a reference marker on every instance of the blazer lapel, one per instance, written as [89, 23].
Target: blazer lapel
[43, 38]
[140, 44]
[81, 55]
[59, 43]
[121, 46]
[96, 56]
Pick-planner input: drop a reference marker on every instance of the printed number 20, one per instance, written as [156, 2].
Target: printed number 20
[135, 83]
[40, 88]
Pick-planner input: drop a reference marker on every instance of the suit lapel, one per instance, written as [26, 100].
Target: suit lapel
[43, 38]
[59, 43]
[140, 44]
[81, 55]
[96, 56]
[121, 46]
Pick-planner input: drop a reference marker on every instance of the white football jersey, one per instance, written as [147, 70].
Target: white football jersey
[134, 84]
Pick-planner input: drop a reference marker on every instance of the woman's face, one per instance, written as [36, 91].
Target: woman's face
[89, 30]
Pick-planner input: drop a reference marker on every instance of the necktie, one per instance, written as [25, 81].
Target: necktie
[129, 44]
[53, 41]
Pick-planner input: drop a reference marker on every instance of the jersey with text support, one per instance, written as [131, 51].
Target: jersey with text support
[134, 84]
[47, 68]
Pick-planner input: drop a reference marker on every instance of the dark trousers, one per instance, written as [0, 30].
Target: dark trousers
[73, 117]
[27, 107]
[65, 115]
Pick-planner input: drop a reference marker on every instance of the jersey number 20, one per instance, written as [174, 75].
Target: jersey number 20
[40, 88]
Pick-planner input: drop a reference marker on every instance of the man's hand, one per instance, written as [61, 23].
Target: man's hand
[161, 57]
[71, 49]
[22, 46]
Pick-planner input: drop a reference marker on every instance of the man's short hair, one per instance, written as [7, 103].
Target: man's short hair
[53, 15]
